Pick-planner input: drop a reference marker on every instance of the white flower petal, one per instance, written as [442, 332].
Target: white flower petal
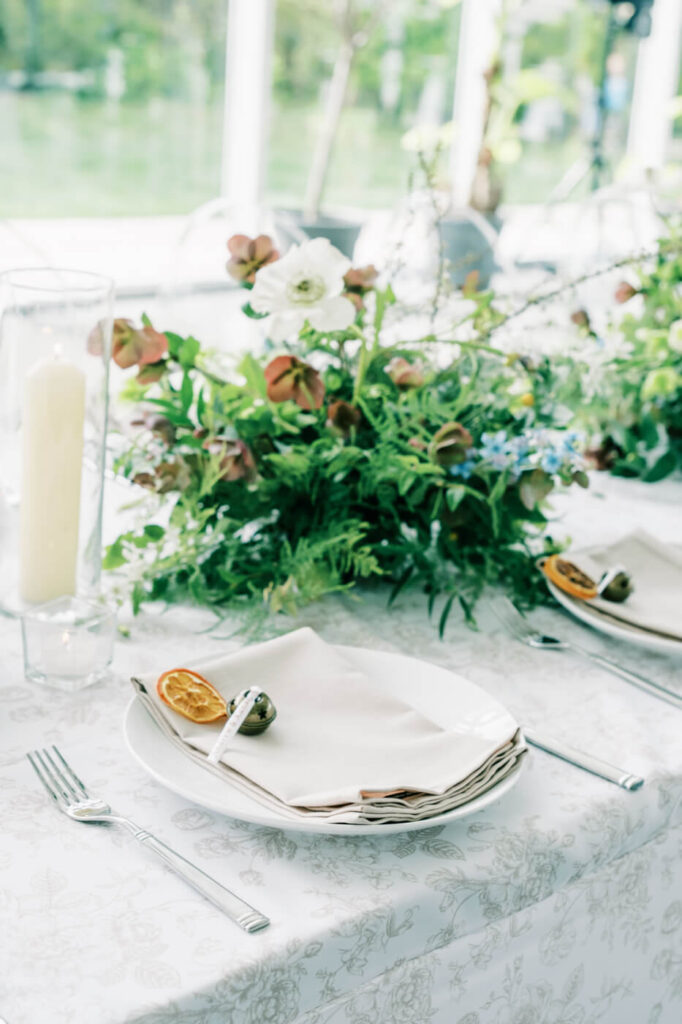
[325, 261]
[269, 292]
[321, 250]
[281, 326]
[334, 314]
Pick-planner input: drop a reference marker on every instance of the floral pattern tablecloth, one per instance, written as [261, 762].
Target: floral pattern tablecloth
[561, 904]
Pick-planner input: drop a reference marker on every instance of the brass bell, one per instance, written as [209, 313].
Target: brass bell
[615, 585]
[262, 714]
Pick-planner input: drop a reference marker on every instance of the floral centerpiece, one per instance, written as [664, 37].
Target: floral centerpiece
[340, 454]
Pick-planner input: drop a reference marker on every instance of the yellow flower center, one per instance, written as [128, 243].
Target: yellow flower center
[306, 291]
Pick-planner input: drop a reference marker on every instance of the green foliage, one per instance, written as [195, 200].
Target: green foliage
[440, 483]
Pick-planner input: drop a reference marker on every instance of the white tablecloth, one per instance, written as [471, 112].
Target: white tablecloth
[561, 904]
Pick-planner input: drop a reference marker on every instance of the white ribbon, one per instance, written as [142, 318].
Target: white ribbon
[233, 724]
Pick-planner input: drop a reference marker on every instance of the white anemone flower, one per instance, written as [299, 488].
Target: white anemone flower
[306, 284]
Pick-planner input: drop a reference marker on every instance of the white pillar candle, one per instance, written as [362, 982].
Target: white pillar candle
[53, 418]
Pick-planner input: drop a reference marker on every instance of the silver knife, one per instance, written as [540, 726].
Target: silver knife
[588, 762]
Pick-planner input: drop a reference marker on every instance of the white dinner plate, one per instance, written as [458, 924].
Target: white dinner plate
[436, 692]
[621, 630]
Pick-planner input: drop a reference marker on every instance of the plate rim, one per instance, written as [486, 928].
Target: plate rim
[270, 820]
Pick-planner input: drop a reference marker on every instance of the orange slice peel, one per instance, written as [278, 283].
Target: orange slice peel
[569, 578]
[192, 696]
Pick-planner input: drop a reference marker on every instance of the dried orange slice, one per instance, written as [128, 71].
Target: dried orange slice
[569, 577]
[191, 695]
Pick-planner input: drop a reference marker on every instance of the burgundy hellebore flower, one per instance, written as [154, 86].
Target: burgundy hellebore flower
[167, 476]
[342, 417]
[156, 424]
[173, 476]
[404, 374]
[450, 444]
[151, 372]
[147, 480]
[236, 458]
[137, 346]
[290, 378]
[248, 255]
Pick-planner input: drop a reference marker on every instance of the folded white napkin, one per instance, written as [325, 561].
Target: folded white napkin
[342, 746]
[655, 605]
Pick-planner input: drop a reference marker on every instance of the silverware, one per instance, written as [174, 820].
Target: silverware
[512, 620]
[73, 799]
[587, 762]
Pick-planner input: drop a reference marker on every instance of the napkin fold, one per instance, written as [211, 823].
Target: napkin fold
[655, 605]
[343, 748]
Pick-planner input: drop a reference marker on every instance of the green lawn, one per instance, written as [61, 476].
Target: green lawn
[65, 156]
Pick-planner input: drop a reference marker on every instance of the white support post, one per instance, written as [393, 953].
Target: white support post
[477, 43]
[248, 75]
[656, 81]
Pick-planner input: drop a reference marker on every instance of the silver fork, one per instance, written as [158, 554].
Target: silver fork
[73, 799]
[513, 621]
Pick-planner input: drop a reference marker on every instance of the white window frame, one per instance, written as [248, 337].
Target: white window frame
[248, 87]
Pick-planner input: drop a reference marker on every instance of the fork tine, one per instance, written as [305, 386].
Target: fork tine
[70, 790]
[71, 774]
[49, 780]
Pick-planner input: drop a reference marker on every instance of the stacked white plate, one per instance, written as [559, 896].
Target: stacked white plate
[652, 615]
[457, 705]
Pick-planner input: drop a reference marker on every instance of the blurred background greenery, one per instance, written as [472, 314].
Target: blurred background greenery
[114, 107]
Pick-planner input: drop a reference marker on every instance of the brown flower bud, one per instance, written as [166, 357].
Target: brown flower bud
[342, 417]
[404, 374]
[162, 427]
[359, 281]
[147, 480]
[604, 456]
[450, 444]
[236, 459]
[470, 285]
[156, 424]
[624, 292]
[172, 476]
[580, 318]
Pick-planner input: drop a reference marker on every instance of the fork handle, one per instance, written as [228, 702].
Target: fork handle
[237, 909]
[648, 685]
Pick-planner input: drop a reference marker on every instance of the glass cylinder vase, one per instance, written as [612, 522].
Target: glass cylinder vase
[55, 346]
